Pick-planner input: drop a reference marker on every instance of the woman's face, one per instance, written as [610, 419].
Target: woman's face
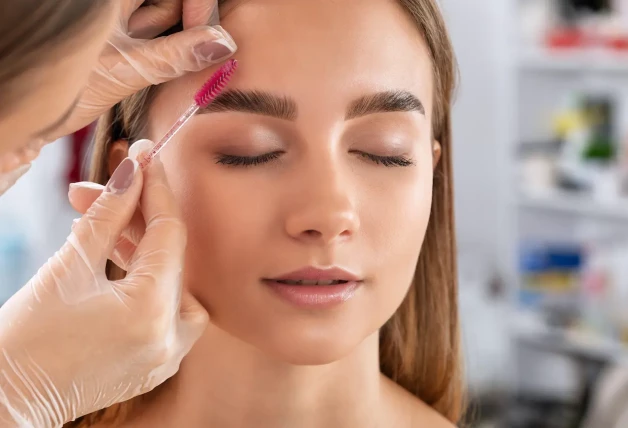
[322, 158]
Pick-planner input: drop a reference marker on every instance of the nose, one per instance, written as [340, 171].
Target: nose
[324, 210]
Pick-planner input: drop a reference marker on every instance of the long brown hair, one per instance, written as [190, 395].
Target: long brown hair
[31, 29]
[419, 345]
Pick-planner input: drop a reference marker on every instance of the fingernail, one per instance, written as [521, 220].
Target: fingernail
[227, 36]
[122, 177]
[139, 148]
[85, 185]
[214, 51]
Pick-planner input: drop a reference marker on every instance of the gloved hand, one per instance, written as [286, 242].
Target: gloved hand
[72, 341]
[134, 59]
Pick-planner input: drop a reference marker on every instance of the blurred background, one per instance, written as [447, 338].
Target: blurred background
[541, 171]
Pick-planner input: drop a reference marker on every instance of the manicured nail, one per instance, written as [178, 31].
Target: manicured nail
[86, 185]
[214, 51]
[139, 149]
[225, 35]
[122, 177]
[219, 49]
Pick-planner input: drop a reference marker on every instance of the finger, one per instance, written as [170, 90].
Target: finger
[127, 8]
[83, 194]
[123, 253]
[153, 19]
[123, 250]
[152, 62]
[193, 320]
[200, 12]
[96, 233]
[159, 255]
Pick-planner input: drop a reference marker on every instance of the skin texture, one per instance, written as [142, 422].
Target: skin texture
[264, 362]
[50, 91]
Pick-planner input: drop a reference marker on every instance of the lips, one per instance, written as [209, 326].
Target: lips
[316, 276]
[310, 282]
[313, 288]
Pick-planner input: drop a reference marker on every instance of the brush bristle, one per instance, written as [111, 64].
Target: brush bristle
[214, 86]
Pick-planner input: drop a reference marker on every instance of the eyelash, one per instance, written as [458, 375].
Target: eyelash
[231, 160]
[387, 161]
[246, 161]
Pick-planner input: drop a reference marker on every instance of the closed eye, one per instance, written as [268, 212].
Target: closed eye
[246, 161]
[388, 161]
[232, 160]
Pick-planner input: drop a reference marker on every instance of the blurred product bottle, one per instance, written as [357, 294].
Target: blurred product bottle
[595, 287]
[618, 293]
[550, 276]
[536, 18]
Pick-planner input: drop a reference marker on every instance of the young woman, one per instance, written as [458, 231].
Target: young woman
[317, 196]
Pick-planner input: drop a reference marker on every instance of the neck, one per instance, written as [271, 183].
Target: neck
[227, 383]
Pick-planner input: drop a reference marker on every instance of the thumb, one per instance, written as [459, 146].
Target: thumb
[96, 233]
[165, 58]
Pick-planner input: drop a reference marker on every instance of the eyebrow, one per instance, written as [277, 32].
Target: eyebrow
[255, 102]
[283, 107]
[385, 102]
[57, 124]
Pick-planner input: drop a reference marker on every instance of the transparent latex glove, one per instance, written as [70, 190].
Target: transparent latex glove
[134, 59]
[73, 342]
[8, 179]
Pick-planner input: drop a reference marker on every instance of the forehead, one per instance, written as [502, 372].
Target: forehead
[326, 51]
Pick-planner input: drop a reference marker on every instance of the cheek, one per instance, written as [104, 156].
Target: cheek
[396, 222]
[223, 219]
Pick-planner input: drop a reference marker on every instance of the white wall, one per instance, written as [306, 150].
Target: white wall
[480, 128]
[474, 27]
[36, 213]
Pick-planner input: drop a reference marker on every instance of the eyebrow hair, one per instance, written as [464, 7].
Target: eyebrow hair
[283, 107]
[384, 102]
[255, 102]
[57, 124]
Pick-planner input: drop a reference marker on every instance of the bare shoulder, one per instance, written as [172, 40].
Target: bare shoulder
[407, 411]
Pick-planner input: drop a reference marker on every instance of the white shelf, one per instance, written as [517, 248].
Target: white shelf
[576, 205]
[573, 62]
[531, 330]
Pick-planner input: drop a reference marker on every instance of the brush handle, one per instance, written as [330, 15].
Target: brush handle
[171, 133]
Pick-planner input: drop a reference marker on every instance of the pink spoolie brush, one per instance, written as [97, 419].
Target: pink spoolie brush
[204, 97]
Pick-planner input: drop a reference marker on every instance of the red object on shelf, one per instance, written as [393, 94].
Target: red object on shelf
[619, 43]
[562, 38]
[80, 141]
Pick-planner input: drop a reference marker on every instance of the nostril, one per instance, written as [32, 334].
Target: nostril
[312, 233]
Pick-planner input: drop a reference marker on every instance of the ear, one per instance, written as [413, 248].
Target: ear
[118, 151]
[436, 153]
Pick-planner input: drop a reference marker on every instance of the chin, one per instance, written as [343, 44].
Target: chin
[300, 344]
[310, 354]
[311, 345]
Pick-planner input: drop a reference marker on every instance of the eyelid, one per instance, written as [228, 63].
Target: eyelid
[387, 161]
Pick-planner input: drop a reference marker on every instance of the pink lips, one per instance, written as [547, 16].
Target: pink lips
[315, 288]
